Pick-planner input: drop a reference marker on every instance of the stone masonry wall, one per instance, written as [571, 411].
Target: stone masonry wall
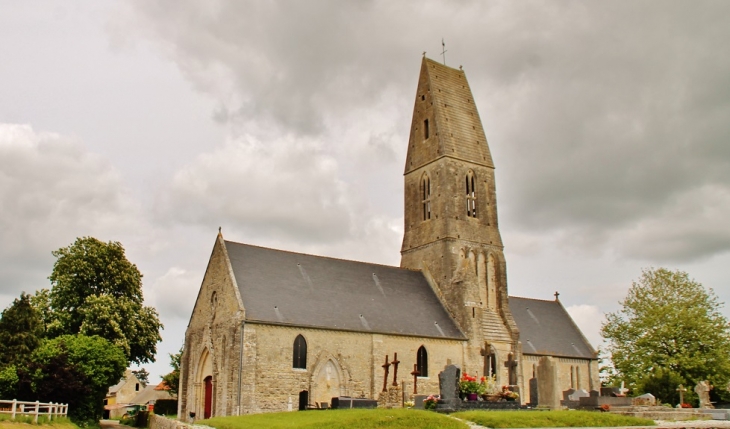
[212, 341]
[338, 363]
[585, 374]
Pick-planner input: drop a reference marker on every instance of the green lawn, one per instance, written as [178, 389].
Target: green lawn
[25, 421]
[533, 419]
[339, 419]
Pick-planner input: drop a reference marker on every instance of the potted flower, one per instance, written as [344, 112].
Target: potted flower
[470, 387]
[509, 395]
[430, 402]
[492, 391]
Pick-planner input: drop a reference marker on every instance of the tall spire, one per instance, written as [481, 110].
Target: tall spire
[454, 127]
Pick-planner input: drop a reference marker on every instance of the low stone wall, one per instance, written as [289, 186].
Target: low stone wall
[161, 422]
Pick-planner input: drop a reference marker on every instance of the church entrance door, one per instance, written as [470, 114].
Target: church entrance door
[208, 397]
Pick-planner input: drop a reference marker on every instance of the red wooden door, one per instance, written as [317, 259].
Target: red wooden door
[208, 397]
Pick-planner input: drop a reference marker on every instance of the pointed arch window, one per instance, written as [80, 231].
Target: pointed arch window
[426, 196]
[471, 196]
[300, 353]
[422, 362]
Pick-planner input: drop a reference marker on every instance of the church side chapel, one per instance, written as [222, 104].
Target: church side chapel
[274, 330]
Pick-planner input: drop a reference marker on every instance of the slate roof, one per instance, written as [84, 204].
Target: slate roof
[547, 329]
[456, 119]
[150, 393]
[297, 289]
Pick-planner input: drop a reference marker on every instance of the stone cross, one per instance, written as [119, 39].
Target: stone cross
[395, 369]
[386, 367]
[511, 365]
[681, 389]
[415, 375]
[623, 390]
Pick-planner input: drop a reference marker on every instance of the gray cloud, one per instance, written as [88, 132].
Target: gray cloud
[600, 114]
[277, 189]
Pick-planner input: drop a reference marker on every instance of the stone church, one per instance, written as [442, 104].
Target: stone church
[273, 329]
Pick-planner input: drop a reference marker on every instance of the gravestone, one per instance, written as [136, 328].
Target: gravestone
[534, 397]
[449, 383]
[580, 393]
[594, 393]
[703, 392]
[567, 393]
[610, 391]
[647, 399]
[418, 401]
[547, 386]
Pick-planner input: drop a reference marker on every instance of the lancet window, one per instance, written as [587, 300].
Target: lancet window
[422, 362]
[471, 196]
[300, 353]
[426, 196]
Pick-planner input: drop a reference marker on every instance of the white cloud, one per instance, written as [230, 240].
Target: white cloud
[589, 319]
[173, 294]
[51, 191]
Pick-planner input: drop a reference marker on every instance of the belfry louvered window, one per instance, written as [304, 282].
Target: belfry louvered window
[471, 196]
[300, 353]
[422, 362]
[426, 194]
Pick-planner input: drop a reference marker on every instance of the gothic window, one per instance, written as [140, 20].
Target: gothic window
[572, 377]
[422, 362]
[425, 129]
[490, 363]
[426, 196]
[471, 198]
[300, 353]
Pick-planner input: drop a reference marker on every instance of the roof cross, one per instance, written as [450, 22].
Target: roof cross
[443, 53]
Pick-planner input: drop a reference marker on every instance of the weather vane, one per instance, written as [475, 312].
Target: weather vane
[443, 53]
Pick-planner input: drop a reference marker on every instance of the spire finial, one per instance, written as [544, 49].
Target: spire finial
[557, 294]
[219, 231]
[443, 53]
[424, 53]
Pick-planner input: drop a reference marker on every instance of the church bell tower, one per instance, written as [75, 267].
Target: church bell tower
[451, 227]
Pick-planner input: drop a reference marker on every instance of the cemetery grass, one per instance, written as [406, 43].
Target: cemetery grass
[340, 419]
[534, 419]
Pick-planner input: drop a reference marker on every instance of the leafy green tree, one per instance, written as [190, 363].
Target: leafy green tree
[669, 330]
[9, 382]
[173, 378]
[77, 370]
[97, 291]
[143, 376]
[41, 301]
[21, 329]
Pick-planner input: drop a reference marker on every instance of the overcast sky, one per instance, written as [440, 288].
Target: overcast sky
[153, 123]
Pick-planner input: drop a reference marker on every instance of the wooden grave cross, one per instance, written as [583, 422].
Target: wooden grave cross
[395, 369]
[386, 367]
[415, 375]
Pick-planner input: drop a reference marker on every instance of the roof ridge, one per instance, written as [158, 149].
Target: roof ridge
[323, 256]
[533, 299]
